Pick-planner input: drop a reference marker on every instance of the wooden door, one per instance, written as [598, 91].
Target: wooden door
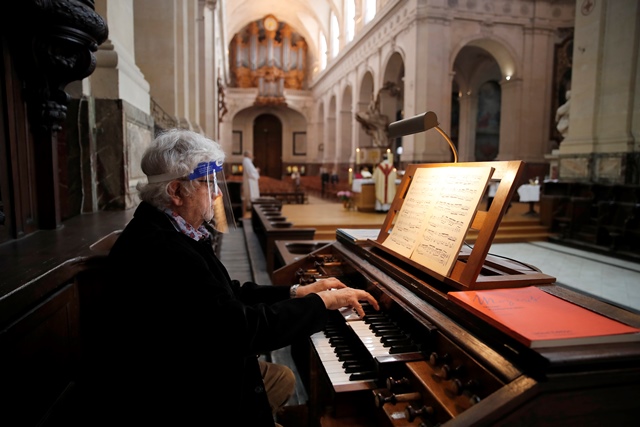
[267, 145]
[18, 189]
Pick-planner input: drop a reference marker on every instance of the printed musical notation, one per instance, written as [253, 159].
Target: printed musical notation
[436, 214]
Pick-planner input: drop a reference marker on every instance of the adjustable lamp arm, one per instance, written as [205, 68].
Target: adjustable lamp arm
[420, 123]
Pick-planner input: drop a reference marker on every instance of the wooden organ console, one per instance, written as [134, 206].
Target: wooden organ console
[424, 361]
[449, 368]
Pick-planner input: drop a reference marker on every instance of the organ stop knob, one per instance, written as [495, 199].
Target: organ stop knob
[425, 412]
[381, 399]
[395, 385]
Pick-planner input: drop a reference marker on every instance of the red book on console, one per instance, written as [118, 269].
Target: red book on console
[538, 319]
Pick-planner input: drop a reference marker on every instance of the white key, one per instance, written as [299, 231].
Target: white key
[367, 336]
[331, 364]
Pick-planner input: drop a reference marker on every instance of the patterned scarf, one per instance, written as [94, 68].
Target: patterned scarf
[185, 228]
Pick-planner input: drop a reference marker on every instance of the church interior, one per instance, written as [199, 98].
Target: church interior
[339, 101]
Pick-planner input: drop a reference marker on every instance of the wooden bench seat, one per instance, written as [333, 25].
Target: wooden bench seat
[269, 231]
[298, 197]
[313, 185]
[46, 329]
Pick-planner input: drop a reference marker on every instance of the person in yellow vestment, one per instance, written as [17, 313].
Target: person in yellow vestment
[384, 179]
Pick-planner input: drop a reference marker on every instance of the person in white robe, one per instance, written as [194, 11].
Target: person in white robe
[250, 178]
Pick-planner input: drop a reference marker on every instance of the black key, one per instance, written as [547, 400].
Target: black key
[341, 348]
[355, 368]
[347, 355]
[388, 333]
[395, 342]
[366, 375]
[403, 349]
[394, 336]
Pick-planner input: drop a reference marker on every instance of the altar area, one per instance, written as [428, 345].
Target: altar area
[364, 191]
[530, 193]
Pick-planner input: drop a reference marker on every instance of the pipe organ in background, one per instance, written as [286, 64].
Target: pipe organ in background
[268, 55]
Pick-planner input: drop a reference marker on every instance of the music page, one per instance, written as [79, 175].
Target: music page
[436, 214]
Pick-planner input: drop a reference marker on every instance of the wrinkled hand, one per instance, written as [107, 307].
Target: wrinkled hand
[319, 286]
[347, 297]
[336, 295]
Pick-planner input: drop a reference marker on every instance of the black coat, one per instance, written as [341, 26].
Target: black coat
[182, 338]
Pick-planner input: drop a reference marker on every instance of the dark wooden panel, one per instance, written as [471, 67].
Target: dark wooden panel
[38, 354]
[24, 260]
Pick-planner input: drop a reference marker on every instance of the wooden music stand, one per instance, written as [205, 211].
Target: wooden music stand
[466, 272]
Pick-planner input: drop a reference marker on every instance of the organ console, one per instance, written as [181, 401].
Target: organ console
[421, 361]
[424, 361]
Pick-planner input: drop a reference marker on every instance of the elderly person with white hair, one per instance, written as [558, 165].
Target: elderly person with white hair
[181, 339]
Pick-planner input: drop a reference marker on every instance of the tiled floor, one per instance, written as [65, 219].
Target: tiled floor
[609, 279]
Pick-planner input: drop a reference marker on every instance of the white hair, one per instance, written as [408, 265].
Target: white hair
[175, 152]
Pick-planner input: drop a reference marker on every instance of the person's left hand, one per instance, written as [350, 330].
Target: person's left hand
[319, 286]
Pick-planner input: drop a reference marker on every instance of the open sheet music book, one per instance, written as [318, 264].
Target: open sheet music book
[436, 214]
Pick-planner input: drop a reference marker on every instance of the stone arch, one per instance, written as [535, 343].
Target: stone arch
[290, 121]
[480, 63]
[502, 52]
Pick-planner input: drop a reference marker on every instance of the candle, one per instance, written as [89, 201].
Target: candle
[350, 175]
[357, 156]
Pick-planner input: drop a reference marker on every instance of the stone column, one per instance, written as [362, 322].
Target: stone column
[466, 132]
[511, 142]
[117, 75]
[604, 112]
[124, 125]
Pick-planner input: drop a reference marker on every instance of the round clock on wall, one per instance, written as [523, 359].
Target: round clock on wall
[270, 23]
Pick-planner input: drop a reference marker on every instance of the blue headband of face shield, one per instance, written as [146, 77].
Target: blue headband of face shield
[205, 168]
[223, 212]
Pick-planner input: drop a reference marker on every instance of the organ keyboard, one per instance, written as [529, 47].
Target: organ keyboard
[350, 348]
[423, 361]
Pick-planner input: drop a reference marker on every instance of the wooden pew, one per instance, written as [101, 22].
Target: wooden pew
[298, 197]
[46, 328]
[269, 227]
[289, 252]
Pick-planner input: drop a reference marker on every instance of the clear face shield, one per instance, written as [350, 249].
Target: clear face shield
[220, 215]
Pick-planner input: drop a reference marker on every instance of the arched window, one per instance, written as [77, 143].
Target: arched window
[335, 36]
[488, 122]
[350, 23]
[369, 10]
[323, 52]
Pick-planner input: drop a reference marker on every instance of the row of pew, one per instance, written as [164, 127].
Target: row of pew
[271, 226]
[594, 215]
